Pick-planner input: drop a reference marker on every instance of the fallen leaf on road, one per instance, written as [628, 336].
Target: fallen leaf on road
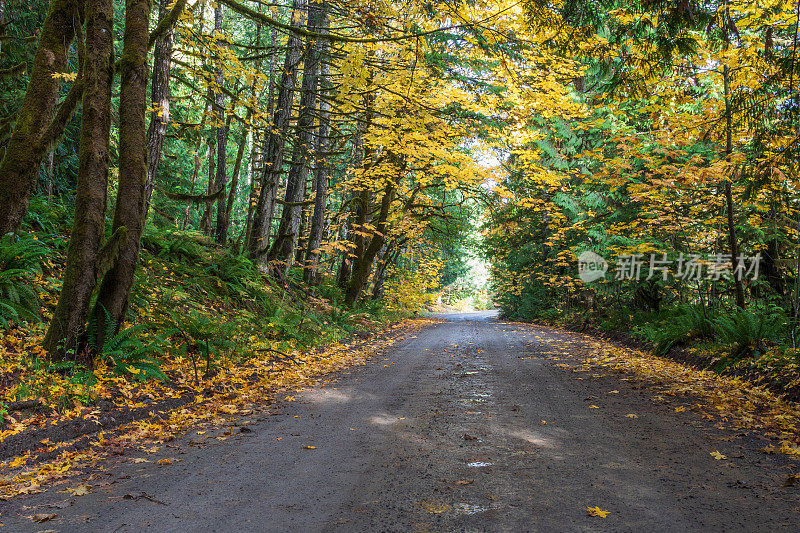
[435, 507]
[165, 461]
[718, 456]
[467, 436]
[81, 490]
[631, 415]
[596, 511]
[43, 517]
[680, 409]
[139, 460]
[307, 447]
[593, 407]
[465, 482]
[543, 423]
[289, 398]
[613, 392]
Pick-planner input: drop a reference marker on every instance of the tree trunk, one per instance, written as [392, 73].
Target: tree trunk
[320, 185]
[363, 265]
[19, 169]
[129, 210]
[282, 251]
[276, 140]
[732, 241]
[237, 169]
[221, 232]
[159, 118]
[196, 170]
[346, 266]
[205, 222]
[80, 275]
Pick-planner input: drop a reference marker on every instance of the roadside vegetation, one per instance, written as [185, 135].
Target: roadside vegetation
[684, 154]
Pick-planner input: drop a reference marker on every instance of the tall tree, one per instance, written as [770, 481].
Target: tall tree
[276, 139]
[130, 206]
[160, 92]
[221, 133]
[282, 251]
[83, 264]
[320, 185]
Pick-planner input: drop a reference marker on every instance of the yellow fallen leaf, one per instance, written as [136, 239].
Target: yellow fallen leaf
[613, 392]
[140, 460]
[165, 461]
[289, 398]
[307, 447]
[680, 409]
[596, 511]
[718, 456]
[593, 407]
[434, 507]
[631, 415]
[19, 461]
[81, 490]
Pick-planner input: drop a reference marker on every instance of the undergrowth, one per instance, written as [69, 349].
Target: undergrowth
[195, 309]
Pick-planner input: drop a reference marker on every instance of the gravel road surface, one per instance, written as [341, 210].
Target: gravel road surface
[467, 425]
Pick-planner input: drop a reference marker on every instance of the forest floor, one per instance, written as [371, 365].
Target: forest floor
[471, 424]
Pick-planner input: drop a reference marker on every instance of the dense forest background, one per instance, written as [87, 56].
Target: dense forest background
[188, 185]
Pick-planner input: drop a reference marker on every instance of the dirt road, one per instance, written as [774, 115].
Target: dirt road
[470, 425]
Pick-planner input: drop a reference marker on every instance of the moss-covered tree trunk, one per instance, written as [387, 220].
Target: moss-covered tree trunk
[276, 140]
[80, 276]
[160, 91]
[129, 209]
[19, 168]
[283, 249]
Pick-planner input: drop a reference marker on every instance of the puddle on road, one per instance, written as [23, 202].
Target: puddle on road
[469, 508]
[479, 464]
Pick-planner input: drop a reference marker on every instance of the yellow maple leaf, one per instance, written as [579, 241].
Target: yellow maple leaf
[718, 456]
[596, 511]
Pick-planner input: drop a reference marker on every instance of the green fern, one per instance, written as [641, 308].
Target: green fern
[124, 352]
[690, 322]
[748, 333]
[19, 260]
